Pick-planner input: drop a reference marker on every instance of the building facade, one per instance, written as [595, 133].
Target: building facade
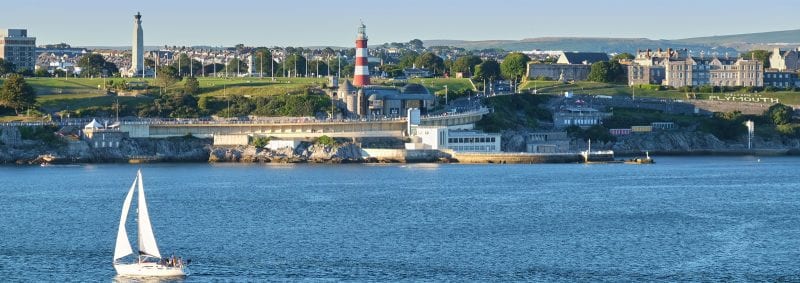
[374, 101]
[781, 79]
[583, 117]
[676, 68]
[571, 66]
[456, 140]
[17, 48]
[787, 61]
[547, 142]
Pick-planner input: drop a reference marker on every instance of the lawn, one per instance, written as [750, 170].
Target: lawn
[436, 85]
[58, 102]
[255, 86]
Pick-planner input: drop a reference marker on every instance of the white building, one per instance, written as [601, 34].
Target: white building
[456, 140]
[473, 141]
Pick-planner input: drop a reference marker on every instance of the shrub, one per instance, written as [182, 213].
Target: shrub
[260, 142]
[788, 130]
[707, 89]
[326, 141]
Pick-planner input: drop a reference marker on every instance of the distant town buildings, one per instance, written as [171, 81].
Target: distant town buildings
[571, 66]
[676, 68]
[19, 49]
[58, 57]
[415, 72]
[785, 61]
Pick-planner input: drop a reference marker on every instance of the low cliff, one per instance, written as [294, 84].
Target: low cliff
[669, 142]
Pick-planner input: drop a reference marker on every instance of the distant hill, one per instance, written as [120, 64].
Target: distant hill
[608, 45]
[790, 37]
[711, 44]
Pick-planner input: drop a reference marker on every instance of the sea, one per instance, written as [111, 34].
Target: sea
[681, 219]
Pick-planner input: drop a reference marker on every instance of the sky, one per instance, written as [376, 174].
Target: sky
[334, 23]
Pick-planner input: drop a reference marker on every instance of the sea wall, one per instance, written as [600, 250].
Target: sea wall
[517, 158]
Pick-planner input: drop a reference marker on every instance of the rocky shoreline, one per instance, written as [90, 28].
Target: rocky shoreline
[15, 150]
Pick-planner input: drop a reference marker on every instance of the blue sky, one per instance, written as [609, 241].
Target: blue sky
[318, 22]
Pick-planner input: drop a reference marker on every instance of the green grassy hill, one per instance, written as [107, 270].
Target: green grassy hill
[87, 96]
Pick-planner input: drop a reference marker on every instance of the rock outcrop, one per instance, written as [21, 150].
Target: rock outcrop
[305, 152]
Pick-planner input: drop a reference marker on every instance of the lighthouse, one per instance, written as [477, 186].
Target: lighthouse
[361, 76]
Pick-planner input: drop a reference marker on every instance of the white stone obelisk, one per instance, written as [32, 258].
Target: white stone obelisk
[137, 49]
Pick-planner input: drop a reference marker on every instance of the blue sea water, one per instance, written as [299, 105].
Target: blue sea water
[682, 219]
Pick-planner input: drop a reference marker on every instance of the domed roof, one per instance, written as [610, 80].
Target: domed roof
[414, 88]
[373, 97]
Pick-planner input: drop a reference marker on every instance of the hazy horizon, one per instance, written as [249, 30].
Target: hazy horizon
[318, 23]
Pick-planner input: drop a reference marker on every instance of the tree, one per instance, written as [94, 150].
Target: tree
[407, 60]
[779, 114]
[17, 94]
[315, 65]
[236, 66]
[203, 103]
[95, 65]
[296, 64]
[761, 55]
[623, 56]
[431, 61]
[488, 70]
[466, 64]
[415, 44]
[514, 66]
[262, 63]
[42, 72]
[187, 66]
[191, 86]
[211, 68]
[599, 72]
[607, 72]
[392, 70]
[6, 67]
[167, 76]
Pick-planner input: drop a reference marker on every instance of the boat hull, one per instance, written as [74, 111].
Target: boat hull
[149, 269]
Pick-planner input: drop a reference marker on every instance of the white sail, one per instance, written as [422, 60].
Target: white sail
[123, 247]
[147, 241]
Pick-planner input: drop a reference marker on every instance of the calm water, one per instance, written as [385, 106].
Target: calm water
[696, 219]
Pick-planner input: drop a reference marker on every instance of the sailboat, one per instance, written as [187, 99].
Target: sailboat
[149, 261]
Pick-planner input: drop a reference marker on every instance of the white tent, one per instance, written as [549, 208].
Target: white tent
[93, 125]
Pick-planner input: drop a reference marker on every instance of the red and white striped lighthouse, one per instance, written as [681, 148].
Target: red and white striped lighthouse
[361, 75]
